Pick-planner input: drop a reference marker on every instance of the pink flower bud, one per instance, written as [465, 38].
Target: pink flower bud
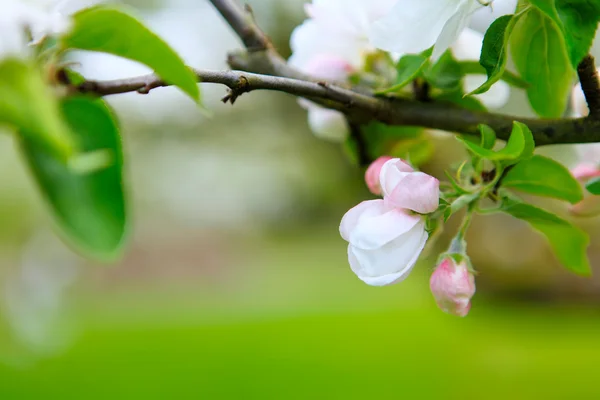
[590, 205]
[372, 174]
[452, 286]
[403, 187]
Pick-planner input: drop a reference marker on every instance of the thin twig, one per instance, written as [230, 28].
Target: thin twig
[590, 83]
[242, 22]
[363, 108]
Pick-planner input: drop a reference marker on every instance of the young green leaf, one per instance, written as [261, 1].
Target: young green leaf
[28, 105]
[112, 31]
[593, 186]
[578, 21]
[89, 206]
[517, 147]
[488, 137]
[568, 242]
[408, 68]
[446, 73]
[540, 55]
[417, 151]
[494, 52]
[460, 203]
[474, 68]
[544, 177]
[529, 145]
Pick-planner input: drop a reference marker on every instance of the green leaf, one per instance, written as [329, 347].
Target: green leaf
[529, 146]
[568, 242]
[593, 186]
[540, 55]
[460, 203]
[417, 151]
[494, 50]
[544, 177]
[446, 73]
[474, 68]
[488, 137]
[380, 139]
[517, 147]
[577, 20]
[89, 206]
[408, 68]
[28, 105]
[112, 31]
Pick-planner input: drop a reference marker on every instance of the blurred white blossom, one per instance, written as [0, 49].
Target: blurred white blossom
[34, 295]
[25, 22]
[332, 44]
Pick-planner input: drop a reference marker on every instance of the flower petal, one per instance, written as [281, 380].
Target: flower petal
[392, 172]
[412, 26]
[454, 27]
[390, 263]
[328, 124]
[372, 224]
[418, 192]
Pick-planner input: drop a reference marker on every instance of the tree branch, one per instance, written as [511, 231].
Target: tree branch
[242, 22]
[363, 108]
[269, 71]
[590, 83]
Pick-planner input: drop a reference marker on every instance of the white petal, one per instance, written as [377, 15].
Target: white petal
[412, 26]
[391, 263]
[392, 172]
[468, 45]
[372, 224]
[454, 27]
[328, 124]
[484, 17]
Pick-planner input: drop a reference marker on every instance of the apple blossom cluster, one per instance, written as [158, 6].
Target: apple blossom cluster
[386, 236]
[337, 40]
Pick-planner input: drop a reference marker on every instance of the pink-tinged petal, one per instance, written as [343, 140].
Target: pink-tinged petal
[391, 263]
[452, 286]
[328, 67]
[373, 172]
[372, 224]
[585, 171]
[418, 192]
[392, 172]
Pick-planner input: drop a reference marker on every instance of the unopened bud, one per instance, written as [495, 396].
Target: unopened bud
[453, 285]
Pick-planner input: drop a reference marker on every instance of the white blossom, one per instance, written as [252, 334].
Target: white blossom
[331, 45]
[413, 26]
[384, 242]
